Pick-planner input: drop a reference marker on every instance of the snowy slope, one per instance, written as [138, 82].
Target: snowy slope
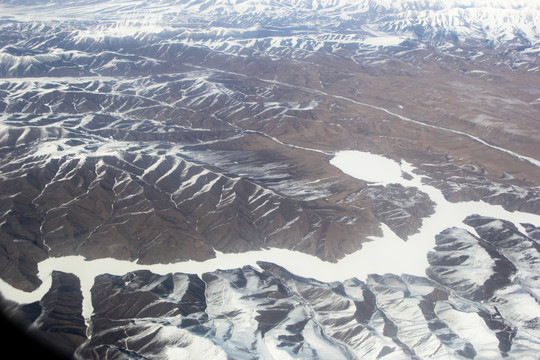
[499, 21]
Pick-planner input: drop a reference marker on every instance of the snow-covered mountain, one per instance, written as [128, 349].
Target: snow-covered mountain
[494, 21]
[272, 179]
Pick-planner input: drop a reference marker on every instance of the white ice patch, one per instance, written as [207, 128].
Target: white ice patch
[368, 167]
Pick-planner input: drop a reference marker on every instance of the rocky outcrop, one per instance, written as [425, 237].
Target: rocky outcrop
[54, 325]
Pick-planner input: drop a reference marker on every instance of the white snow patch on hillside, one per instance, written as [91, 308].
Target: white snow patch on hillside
[384, 41]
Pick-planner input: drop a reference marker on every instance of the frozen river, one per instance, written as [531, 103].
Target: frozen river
[388, 254]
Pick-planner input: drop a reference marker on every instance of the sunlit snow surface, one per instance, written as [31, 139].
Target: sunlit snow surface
[368, 167]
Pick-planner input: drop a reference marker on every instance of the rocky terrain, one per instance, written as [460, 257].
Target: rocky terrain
[169, 132]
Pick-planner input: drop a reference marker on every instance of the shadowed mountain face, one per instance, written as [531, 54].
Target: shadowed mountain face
[172, 131]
